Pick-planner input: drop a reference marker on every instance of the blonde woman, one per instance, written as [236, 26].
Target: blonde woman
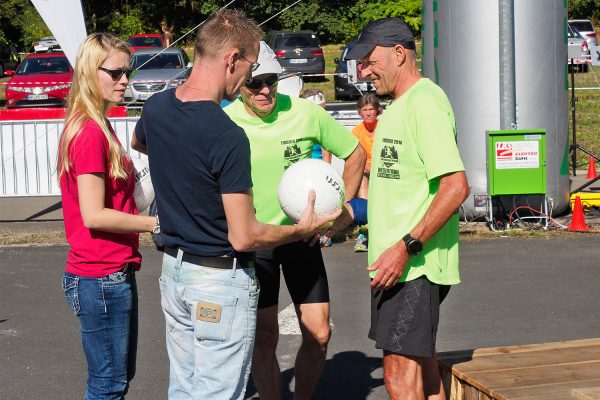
[101, 221]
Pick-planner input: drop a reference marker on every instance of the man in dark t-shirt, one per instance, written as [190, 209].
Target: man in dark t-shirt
[200, 167]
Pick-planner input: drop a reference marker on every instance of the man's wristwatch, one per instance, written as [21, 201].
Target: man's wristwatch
[413, 246]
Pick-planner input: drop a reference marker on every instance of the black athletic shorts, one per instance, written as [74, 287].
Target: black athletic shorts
[303, 271]
[404, 318]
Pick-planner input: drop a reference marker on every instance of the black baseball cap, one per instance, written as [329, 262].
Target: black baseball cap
[385, 32]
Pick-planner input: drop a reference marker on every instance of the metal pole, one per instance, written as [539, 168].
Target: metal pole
[574, 141]
[508, 102]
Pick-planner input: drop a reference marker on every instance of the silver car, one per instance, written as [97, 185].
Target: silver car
[585, 27]
[576, 41]
[156, 72]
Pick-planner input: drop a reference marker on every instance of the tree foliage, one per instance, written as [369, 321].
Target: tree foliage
[585, 9]
[334, 21]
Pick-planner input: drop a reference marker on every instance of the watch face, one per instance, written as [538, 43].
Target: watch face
[414, 247]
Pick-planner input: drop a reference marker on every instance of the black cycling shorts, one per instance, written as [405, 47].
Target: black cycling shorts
[303, 271]
[404, 318]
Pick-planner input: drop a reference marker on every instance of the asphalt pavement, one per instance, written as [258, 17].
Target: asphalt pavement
[514, 291]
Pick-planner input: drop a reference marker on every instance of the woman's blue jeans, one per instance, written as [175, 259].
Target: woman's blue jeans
[107, 309]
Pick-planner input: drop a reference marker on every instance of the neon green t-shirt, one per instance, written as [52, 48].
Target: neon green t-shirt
[415, 144]
[283, 138]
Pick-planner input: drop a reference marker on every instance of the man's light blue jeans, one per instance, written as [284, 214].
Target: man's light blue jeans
[210, 317]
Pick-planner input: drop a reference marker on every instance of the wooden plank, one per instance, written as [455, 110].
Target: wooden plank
[546, 371]
[559, 391]
[589, 393]
[492, 382]
[556, 357]
[471, 353]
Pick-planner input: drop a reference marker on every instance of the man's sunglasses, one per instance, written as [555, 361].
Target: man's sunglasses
[116, 74]
[258, 84]
[253, 65]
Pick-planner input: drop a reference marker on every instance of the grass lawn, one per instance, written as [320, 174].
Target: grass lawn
[587, 113]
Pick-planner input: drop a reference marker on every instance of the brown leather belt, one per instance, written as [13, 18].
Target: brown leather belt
[212, 262]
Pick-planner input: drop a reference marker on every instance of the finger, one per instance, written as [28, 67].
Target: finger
[324, 219]
[314, 240]
[376, 282]
[324, 241]
[374, 267]
[391, 281]
[312, 195]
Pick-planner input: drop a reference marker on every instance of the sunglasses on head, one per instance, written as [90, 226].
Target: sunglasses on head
[116, 74]
[258, 84]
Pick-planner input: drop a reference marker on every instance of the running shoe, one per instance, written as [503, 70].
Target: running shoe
[361, 244]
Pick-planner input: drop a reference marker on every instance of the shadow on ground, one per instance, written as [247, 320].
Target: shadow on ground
[348, 375]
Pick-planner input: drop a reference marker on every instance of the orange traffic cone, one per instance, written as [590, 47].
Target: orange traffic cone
[577, 218]
[591, 169]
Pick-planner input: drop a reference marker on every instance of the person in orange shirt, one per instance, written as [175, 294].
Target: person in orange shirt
[368, 108]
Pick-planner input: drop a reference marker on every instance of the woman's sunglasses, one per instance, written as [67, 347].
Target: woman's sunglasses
[116, 74]
[258, 84]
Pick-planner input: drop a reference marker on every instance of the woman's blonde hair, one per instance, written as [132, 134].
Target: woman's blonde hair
[86, 101]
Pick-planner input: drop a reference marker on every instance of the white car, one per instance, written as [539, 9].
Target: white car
[585, 27]
[44, 44]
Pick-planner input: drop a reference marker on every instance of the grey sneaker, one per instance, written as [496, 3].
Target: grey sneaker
[361, 244]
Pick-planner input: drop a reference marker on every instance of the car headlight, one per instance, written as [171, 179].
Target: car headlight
[175, 82]
[38, 89]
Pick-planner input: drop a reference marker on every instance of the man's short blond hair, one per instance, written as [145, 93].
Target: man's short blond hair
[224, 30]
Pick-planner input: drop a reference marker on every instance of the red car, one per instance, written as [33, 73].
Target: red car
[145, 40]
[42, 80]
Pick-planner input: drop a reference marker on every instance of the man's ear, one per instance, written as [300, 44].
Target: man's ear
[399, 54]
[231, 59]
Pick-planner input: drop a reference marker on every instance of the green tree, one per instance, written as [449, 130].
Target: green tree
[585, 9]
[20, 24]
[128, 23]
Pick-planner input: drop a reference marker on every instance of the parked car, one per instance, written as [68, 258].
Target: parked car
[298, 51]
[343, 89]
[576, 40]
[156, 72]
[44, 43]
[42, 80]
[145, 40]
[585, 27]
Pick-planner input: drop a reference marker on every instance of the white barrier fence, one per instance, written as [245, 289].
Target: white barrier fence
[28, 152]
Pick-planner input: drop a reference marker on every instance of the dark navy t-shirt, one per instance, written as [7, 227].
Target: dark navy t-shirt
[196, 153]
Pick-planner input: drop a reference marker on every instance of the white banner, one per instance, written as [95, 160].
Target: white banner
[65, 20]
[595, 50]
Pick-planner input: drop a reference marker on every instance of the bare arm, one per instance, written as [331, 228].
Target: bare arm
[353, 171]
[453, 191]
[247, 234]
[96, 216]
[137, 145]
[325, 155]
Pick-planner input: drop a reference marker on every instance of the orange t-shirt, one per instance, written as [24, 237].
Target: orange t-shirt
[366, 140]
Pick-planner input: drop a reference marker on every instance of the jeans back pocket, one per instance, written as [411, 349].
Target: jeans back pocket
[70, 284]
[213, 317]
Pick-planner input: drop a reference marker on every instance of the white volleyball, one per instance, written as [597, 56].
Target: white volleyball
[144, 191]
[305, 175]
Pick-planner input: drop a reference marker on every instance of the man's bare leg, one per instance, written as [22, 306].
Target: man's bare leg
[403, 376]
[316, 332]
[432, 380]
[265, 368]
